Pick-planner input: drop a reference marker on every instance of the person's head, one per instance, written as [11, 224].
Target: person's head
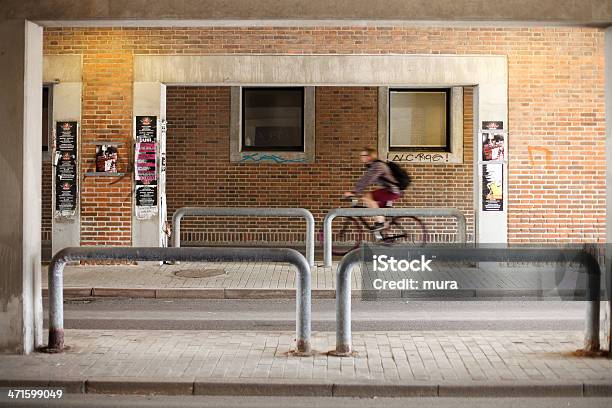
[368, 154]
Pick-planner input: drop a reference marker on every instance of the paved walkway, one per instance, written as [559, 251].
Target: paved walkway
[409, 358]
[282, 276]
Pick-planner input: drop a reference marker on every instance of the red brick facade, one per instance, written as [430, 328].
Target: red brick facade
[556, 122]
[200, 174]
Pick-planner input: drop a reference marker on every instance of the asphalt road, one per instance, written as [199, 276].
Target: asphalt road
[279, 314]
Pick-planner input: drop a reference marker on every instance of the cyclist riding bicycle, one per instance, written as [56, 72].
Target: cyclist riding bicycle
[377, 173]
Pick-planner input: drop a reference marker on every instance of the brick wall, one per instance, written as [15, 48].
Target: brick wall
[106, 212]
[556, 110]
[200, 174]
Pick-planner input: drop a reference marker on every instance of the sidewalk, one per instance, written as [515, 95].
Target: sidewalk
[271, 280]
[416, 363]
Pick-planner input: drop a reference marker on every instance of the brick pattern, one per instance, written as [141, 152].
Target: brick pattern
[106, 202]
[556, 103]
[200, 174]
[432, 357]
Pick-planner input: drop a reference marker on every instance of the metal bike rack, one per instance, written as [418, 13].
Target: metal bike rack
[248, 212]
[388, 212]
[56, 272]
[591, 330]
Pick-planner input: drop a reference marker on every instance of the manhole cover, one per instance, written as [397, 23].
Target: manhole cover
[199, 273]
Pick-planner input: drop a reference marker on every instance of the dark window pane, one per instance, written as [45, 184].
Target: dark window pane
[273, 119]
[45, 119]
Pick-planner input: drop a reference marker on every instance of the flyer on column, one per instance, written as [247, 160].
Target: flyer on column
[145, 169]
[493, 187]
[66, 170]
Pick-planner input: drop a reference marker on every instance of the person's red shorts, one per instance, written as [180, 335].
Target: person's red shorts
[382, 196]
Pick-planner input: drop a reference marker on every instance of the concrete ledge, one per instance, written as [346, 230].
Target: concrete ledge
[259, 293]
[140, 386]
[71, 292]
[286, 387]
[603, 389]
[123, 292]
[72, 386]
[487, 293]
[511, 389]
[386, 390]
[190, 293]
[276, 387]
[264, 293]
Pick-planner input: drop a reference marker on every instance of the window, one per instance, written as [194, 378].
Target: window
[47, 115]
[419, 119]
[273, 119]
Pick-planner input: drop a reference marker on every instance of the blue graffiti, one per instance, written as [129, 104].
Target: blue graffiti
[256, 157]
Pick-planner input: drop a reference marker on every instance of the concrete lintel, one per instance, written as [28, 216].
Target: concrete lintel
[62, 68]
[327, 70]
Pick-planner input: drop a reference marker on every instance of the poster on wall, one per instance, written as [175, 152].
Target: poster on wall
[106, 158]
[66, 169]
[145, 168]
[492, 125]
[493, 145]
[493, 187]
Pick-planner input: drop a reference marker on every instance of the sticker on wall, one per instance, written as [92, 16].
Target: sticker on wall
[493, 145]
[66, 170]
[492, 125]
[493, 187]
[106, 158]
[145, 168]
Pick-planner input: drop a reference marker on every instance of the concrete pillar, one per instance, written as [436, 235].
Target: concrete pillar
[67, 107]
[608, 71]
[150, 100]
[20, 184]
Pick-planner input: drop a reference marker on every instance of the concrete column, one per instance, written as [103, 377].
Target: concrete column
[150, 100]
[66, 73]
[67, 107]
[608, 70]
[20, 184]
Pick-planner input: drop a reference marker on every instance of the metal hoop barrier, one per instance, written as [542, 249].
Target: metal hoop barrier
[248, 212]
[388, 212]
[56, 274]
[591, 331]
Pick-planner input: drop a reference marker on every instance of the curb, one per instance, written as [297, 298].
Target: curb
[263, 293]
[314, 388]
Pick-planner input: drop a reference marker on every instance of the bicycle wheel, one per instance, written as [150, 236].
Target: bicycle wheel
[348, 238]
[405, 230]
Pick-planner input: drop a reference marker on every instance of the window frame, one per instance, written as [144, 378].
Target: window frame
[244, 148]
[448, 106]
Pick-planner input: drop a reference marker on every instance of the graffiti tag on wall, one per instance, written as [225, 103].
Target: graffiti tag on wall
[258, 158]
[422, 157]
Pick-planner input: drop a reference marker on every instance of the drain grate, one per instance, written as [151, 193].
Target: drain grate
[199, 273]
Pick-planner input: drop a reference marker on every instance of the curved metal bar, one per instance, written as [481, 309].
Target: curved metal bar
[247, 212]
[221, 254]
[461, 253]
[388, 212]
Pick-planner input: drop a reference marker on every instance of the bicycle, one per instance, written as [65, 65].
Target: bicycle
[407, 230]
